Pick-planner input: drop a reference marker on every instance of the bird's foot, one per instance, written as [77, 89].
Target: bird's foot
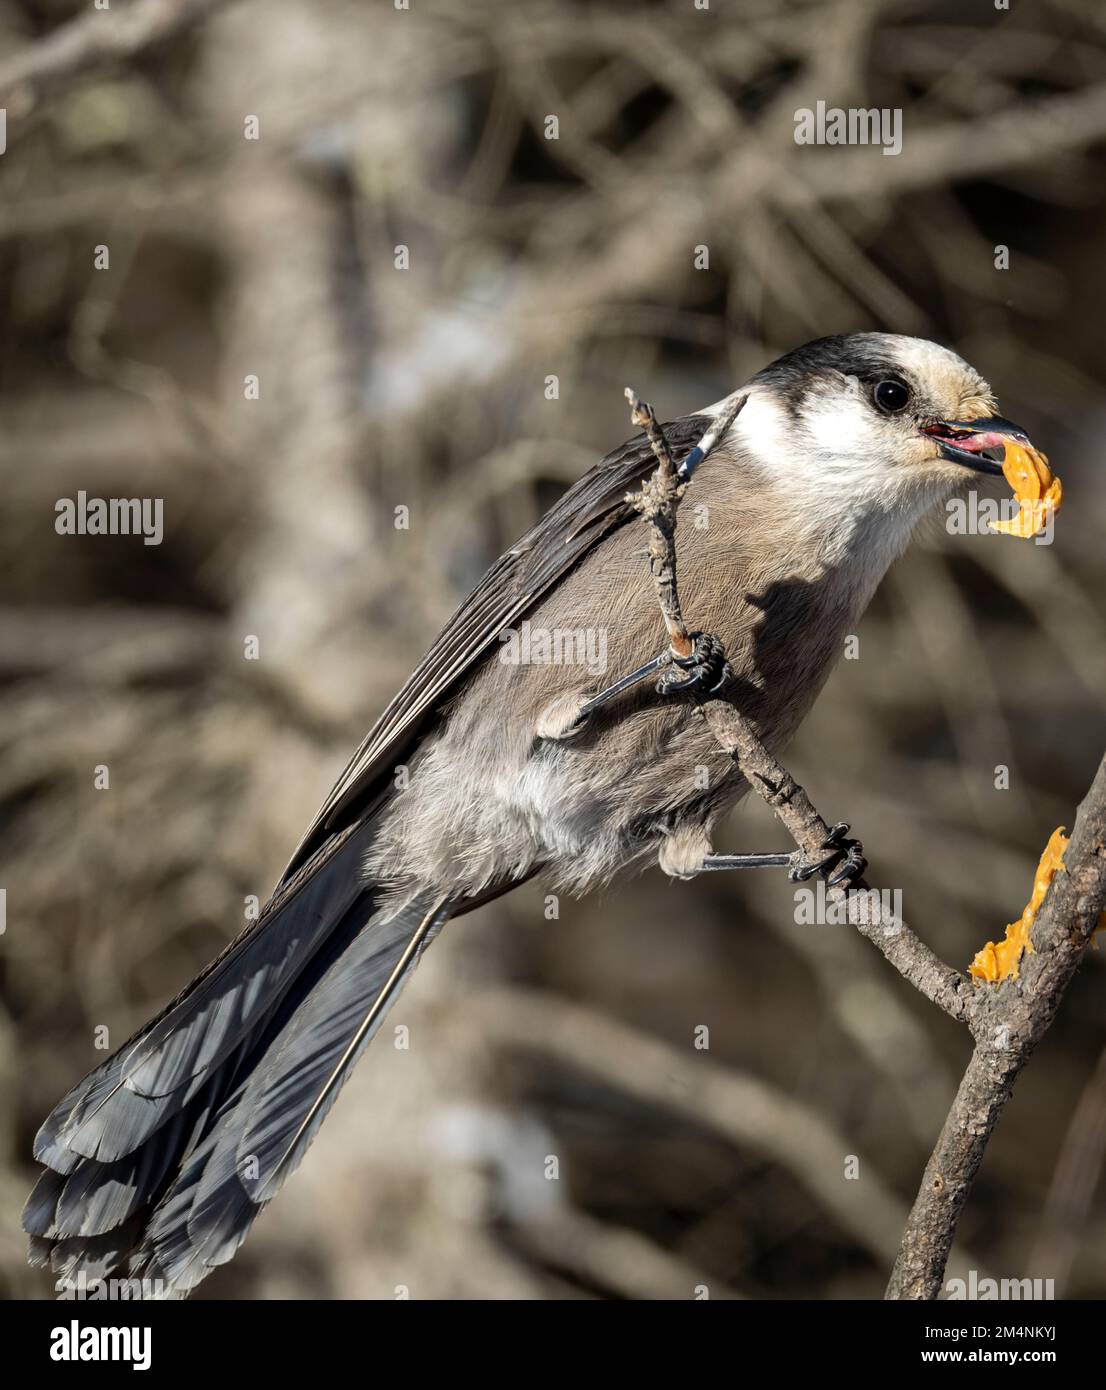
[707, 668]
[844, 863]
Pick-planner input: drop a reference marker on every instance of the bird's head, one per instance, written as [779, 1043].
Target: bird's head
[873, 421]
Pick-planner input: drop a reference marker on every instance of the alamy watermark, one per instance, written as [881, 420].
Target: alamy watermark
[816, 907]
[974, 515]
[987, 1289]
[111, 516]
[855, 125]
[96, 1343]
[81, 1288]
[558, 646]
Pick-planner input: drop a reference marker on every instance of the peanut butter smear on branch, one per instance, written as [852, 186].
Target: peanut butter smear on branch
[1000, 962]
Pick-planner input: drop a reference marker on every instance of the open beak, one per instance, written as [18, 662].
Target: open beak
[978, 444]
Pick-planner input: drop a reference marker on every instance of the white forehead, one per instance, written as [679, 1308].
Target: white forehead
[940, 371]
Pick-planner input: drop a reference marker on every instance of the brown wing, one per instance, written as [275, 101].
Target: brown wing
[587, 512]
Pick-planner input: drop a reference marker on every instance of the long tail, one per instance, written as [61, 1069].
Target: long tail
[159, 1160]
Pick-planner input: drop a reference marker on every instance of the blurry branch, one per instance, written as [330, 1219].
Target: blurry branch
[96, 38]
[290, 329]
[111, 644]
[1062, 606]
[880, 1023]
[943, 626]
[1074, 1182]
[742, 1109]
[641, 229]
[1006, 1022]
[616, 1258]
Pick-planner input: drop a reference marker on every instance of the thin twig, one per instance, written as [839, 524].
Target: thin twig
[659, 500]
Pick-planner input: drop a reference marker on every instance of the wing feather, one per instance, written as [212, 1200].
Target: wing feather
[587, 512]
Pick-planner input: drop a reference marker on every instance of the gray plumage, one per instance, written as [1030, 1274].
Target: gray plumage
[158, 1162]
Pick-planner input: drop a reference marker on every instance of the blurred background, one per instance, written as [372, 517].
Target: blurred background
[678, 1168]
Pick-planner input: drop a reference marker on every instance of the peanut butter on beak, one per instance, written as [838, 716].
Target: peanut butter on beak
[1038, 491]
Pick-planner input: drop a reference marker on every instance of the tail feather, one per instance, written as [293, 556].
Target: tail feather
[290, 1094]
[161, 1159]
[94, 1198]
[41, 1207]
[94, 1256]
[266, 1127]
[121, 1104]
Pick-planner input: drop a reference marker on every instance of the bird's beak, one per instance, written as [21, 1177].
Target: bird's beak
[974, 443]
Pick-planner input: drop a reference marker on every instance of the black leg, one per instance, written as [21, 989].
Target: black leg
[564, 719]
[845, 856]
[612, 692]
[747, 861]
[706, 667]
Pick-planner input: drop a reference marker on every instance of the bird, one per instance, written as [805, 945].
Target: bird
[483, 772]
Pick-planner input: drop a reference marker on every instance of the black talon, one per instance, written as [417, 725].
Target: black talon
[852, 868]
[836, 836]
[707, 667]
[847, 857]
[801, 869]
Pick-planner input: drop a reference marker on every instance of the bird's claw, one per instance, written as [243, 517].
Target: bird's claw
[846, 857]
[707, 668]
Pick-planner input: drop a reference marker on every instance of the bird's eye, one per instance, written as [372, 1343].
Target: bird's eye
[891, 396]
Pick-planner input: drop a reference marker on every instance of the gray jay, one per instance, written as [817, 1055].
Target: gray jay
[157, 1163]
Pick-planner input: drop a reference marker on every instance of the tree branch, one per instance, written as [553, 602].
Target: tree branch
[1008, 1021]
[99, 36]
[939, 982]
[659, 499]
